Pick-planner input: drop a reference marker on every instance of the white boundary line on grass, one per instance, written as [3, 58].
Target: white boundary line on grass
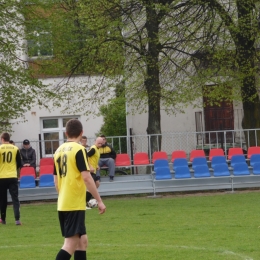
[219, 251]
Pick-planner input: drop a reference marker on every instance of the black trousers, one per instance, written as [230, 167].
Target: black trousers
[10, 184]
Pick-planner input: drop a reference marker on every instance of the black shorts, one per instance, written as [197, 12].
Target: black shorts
[72, 223]
[95, 177]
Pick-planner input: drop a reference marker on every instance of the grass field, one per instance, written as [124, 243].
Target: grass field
[194, 227]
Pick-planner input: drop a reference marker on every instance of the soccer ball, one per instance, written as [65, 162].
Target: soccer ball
[93, 203]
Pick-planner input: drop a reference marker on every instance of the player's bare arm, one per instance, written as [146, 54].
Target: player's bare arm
[56, 183]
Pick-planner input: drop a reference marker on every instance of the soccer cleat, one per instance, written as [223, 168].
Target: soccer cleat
[18, 223]
[88, 207]
[2, 221]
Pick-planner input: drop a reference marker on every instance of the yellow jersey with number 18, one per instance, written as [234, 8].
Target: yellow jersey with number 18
[72, 188]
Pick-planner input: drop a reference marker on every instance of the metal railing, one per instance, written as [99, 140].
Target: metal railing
[186, 141]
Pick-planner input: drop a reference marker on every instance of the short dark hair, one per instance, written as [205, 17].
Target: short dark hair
[6, 137]
[83, 137]
[73, 128]
[103, 136]
[11, 141]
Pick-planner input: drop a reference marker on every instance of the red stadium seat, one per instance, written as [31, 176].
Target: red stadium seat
[178, 154]
[46, 169]
[234, 151]
[141, 158]
[122, 159]
[253, 150]
[215, 152]
[159, 155]
[46, 161]
[27, 171]
[196, 153]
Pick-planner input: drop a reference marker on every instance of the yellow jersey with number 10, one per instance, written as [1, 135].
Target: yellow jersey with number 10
[8, 166]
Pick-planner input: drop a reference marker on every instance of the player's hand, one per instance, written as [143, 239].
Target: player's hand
[101, 207]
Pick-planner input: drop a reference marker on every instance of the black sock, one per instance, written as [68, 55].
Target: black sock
[63, 255]
[80, 255]
[88, 197]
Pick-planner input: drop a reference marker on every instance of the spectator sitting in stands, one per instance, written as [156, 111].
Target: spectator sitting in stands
[84, 141]
[28, 155]
[107, 158]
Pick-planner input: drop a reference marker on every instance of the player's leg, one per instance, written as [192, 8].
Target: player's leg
[13, 190]
[72, 224]
[111, 167]
[89, 195]
[3, 200]
[88, 198]
[68, 248]
[97, 182]
[80, 253]
[100, 164]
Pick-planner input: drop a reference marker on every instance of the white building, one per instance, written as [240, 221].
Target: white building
[48, 125]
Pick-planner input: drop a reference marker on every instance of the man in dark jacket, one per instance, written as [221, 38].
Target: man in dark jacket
[28, 155]
[107, 158]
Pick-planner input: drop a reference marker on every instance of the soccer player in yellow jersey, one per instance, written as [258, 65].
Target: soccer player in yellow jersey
[10, 161]
[93, 158]
[71, 176]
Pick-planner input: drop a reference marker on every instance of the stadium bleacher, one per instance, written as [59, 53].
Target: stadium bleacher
[212, 175]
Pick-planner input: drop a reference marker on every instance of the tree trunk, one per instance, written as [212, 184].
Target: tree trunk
[246, 61]
[152, 83]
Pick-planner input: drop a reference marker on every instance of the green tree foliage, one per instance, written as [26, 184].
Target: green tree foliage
[83, 60]
[19, 90]
[170, 51]
[114, 116]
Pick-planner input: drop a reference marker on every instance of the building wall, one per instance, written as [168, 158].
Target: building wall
[32, 127]
[181, 122]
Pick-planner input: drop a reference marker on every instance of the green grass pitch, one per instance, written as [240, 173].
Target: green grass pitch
[213, 226]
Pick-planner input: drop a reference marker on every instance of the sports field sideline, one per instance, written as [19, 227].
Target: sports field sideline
[197, 226]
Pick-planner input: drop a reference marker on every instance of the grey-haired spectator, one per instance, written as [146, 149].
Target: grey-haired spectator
[107, 158]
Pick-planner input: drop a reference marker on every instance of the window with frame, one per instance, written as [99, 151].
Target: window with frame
[53, 133]
[39, 41]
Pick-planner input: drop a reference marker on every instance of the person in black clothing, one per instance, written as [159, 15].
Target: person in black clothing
[107, 158]
[28, 155]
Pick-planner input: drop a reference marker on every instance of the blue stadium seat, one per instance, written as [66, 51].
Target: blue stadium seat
[199, 161]
[221, 170]
[46, 180]
[255, 158]
[240, 168]
[179, 162]
[27, 182]
[237, 159]
[201, 171]
[163, 173]
[182, 172]
[256, 168]
[160, 163]
[218, 160]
